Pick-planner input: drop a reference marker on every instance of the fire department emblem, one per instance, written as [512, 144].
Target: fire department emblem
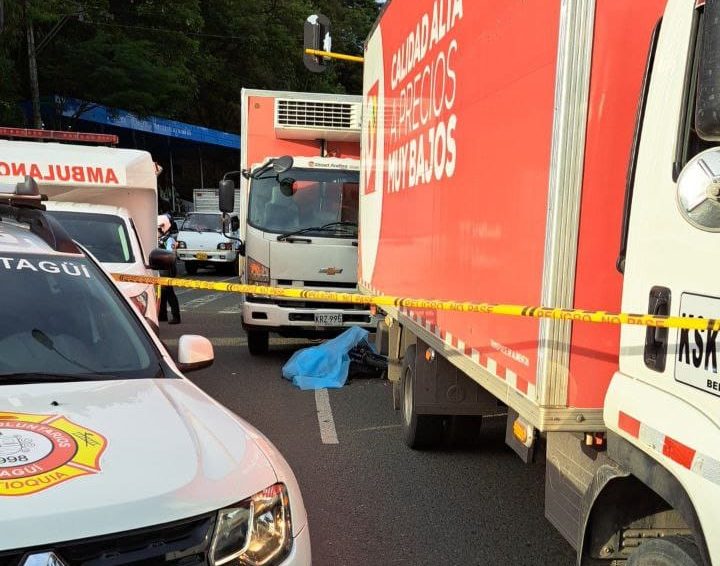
[41, 451]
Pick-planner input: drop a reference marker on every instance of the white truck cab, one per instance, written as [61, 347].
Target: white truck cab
[105, 197]
[106, 450]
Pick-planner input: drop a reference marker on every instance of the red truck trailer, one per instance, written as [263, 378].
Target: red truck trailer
[555, 153]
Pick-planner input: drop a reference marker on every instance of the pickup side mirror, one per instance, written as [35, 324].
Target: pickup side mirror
[227, 196]
[161, 260]
[194, 352]
[707, 108]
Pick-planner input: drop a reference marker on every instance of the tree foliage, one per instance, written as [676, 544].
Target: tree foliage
[182, 59]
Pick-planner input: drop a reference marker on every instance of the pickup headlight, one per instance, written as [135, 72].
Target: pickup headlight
[258, 274]
[181, 245]
[255, 532]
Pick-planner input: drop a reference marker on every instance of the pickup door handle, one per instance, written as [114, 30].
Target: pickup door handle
[656, 338]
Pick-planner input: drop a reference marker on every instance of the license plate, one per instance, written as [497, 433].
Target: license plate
[696, 354]
[201, 255]
[322, 319]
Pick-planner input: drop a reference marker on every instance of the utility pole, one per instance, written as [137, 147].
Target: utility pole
[32, 64]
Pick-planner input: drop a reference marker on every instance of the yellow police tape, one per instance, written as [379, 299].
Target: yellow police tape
[574, 315]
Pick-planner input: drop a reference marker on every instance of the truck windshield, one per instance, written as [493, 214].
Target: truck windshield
[203, 223]
[62, 318]
[104, 235]
[306, 198]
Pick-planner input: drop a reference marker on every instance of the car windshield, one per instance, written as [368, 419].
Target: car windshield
[199, 222]
[104, 235]
[306, 198]
[61, 316]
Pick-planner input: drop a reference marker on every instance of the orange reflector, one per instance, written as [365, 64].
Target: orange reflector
[373, 310]
[429, 355]
[520, 431]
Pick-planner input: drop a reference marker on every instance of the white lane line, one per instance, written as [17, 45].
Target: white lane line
[328, 434]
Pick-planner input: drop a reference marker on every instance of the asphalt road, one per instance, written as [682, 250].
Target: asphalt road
[370, 499]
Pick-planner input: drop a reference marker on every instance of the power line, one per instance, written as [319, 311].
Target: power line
[198, 34]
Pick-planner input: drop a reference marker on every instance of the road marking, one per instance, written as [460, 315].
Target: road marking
[237, 309]
[328, 434]
[199, 302]
[374, 428]
[219, 342]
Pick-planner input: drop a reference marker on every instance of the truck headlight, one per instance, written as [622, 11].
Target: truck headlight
[255, 532]
[181, 245]
[258, 274]
[141, 302]
[224, 246]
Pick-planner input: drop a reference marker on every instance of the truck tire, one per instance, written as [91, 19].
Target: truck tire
[667, 551]
[258, 342]
[191, 267]
[419, 431]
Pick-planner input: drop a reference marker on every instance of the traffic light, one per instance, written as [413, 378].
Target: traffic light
[317, 37]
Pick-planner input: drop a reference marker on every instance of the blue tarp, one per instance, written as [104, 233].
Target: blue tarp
[326, 365]
[154, 125]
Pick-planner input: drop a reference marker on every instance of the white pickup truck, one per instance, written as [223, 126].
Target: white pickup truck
[201, 242]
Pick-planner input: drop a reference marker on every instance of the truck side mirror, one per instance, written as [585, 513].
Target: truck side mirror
[707, 108]
[316, 37]
[227, 196]
[161, 260]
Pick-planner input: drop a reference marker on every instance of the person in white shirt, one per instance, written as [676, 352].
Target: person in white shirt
[167, 292]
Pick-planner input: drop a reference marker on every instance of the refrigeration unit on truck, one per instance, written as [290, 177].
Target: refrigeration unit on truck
[496, 143]
[202, 241]
[299, 210]
[105, 197]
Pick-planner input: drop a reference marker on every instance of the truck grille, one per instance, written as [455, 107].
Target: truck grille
[306, 113]
[292, 304]
[183, 543]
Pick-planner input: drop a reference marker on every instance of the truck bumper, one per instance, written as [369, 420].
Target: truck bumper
[297, 318]
[215, 256]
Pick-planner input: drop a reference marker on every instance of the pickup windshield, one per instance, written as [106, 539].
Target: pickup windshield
[200, 222]
[62, 317]
[104, 235]
[301, 199]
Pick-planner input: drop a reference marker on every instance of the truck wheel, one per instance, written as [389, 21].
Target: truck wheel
[258, 342]
[667, 551]
[420, 431]
[191, 267]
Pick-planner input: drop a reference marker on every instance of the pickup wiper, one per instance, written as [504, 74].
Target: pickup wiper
[331, 227]
[41, 377]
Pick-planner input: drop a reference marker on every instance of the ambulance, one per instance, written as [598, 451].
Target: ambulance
[556, 153]
[108, 454]
[104, 196]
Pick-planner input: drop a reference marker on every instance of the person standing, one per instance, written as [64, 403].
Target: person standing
[167, 292]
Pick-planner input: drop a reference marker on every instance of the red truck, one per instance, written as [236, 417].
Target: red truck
[559, 153]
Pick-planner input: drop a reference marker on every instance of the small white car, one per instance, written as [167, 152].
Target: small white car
[108, 233]
[201, 242]
[107, 453]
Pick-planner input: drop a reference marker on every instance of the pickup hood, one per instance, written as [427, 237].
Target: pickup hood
[201, 240]
[146, 452]
[301, 262]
